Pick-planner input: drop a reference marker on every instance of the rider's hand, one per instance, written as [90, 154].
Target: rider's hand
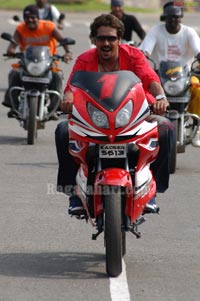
[160, 106]
[67, 103]
[10, 52]
[67, 57]
[60, 26]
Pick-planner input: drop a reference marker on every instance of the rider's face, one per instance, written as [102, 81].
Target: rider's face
[172, 24]
[41, 3]
[107, 43]
[31, 21]
[117, 11]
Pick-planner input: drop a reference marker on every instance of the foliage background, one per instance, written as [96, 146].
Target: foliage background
[68, 5]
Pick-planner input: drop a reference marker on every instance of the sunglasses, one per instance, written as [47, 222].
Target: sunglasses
[30, 17]
[107, 38]
[173, 17]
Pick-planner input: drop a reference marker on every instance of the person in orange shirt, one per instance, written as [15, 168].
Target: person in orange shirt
[37, 33]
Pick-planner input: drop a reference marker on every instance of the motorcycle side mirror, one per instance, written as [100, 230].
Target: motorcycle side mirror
[62, 16]
[67, 41]
[8, 37]
[16, 18]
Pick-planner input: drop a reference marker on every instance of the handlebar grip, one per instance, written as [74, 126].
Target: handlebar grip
[17, 55]
[58, 57]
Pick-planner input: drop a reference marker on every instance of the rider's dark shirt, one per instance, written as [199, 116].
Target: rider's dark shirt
[132, 24]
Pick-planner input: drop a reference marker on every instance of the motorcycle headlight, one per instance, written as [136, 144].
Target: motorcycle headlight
[124, 115]
[37, 68]
[98, 117]
[176, 87]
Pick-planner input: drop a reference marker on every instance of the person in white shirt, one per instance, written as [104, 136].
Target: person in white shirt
[176, 42]
[50, 12]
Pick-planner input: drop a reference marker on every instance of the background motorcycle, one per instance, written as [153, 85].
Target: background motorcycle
[35, 65]
[115, 145]
[175, 80]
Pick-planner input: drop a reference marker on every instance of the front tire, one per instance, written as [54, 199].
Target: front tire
[112, 231]
[32, 122]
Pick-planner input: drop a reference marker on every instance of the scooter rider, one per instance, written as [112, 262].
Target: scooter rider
[37, 33]
[109, 55]
[174, 41]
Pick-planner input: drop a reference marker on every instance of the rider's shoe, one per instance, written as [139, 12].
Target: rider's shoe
[11, 114]
[75, 206]
[196, 139]
[151, 207]
[6, 104]
[54, 116]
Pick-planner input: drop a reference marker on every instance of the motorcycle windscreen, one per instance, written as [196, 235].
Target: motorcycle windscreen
[37, 60]
[107, 88]
[37, 53]
[172, 69]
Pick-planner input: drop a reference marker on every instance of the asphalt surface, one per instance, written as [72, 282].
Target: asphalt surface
[46, 255]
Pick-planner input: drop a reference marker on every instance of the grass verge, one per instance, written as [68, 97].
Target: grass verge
[89, 5]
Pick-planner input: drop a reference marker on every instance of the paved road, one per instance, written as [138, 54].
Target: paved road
[45, 255]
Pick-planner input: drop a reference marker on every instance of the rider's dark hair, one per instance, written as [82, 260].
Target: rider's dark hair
[106, 20]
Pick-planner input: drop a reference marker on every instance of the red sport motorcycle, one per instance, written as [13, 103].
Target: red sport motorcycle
[114, 145]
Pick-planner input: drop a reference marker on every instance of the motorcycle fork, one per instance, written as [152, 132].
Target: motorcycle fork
[100, 219]
[41, 106]
[24, 103]
[126, 225]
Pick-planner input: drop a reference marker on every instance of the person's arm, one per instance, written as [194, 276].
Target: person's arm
[57, 16]
[59, 37]
[193, 40]
[137, 27]
[149, 42]
[12, 47]
[150, 80]
[161, 103]
[67, 103]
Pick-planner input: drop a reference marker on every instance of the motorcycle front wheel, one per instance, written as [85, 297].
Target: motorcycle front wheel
[114, 239]
[32, 121]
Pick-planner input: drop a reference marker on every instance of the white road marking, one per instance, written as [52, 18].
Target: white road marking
[119, 290]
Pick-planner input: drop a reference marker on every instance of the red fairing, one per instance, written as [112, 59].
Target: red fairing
[116, 177]
[114, 99]
[111, 139]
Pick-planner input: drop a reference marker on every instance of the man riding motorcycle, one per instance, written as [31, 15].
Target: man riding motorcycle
[176, 42]
[131, 23]
[35, 32]
[50, 12]
[109, 55]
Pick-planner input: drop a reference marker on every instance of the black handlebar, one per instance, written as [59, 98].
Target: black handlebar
[17, 55]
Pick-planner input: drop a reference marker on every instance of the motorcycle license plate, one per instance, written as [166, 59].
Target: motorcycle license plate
[178, 99]
[110, 151]
[31, 79]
